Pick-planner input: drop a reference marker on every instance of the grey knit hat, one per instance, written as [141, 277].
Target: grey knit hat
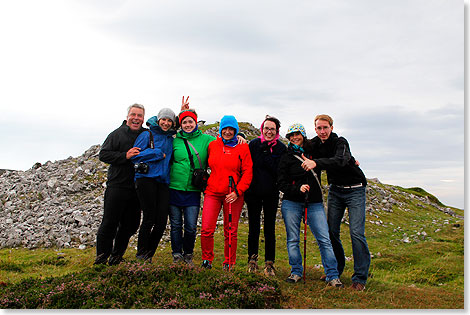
[167, 113]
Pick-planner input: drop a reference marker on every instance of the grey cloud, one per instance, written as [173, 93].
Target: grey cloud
[191, 27]
[396, 136]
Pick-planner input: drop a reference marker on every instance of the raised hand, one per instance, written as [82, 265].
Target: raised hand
[184, 104]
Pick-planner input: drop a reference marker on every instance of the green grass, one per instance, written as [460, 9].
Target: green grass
[424, 274]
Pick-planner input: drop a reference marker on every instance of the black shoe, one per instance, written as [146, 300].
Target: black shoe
[226, 267]
[188, 259]
[115, 260]
[177, 258]
[145, 256]
[206, 264]
[101, 259]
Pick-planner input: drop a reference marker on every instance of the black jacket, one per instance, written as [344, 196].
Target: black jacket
[265, 165]
[335, 157]
[291, 176]
[113, 151]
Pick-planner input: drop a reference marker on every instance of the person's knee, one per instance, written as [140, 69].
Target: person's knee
[190, 229]
[205, 232]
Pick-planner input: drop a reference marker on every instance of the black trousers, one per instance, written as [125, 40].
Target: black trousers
[269, 205]
[121, 220]
[154, 199]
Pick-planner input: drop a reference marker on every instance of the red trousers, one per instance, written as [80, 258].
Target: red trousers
[210, 212]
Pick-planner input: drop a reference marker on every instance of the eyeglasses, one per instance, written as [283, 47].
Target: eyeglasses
[269, 129]
[322, 128]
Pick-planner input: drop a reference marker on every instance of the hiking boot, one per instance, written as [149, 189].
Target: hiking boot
[336, 283]
[226, 267]
[253, 263]
[206, 264]
[358, 286]
[188, 259]
[269, 268]
[293, 278]
[323, 278]
[177, 258]
[115, 260]
[101, 259]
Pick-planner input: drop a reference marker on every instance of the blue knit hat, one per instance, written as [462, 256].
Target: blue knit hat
[228, 121]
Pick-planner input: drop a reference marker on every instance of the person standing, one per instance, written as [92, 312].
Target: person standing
[121, 215]
[301, 190]
[347, 189]
[227, 159]
[152, 177]
[185, 198]
[263, 194]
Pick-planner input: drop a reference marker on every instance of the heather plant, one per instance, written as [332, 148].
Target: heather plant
[143, 285]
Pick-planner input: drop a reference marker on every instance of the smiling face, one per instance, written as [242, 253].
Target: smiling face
[296, 138]
[323, 129]
[269, 130]
[165, 123]
[228, 133]
[188, 124]
[135, 118]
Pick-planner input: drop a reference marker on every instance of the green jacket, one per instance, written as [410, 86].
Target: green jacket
[181, 172]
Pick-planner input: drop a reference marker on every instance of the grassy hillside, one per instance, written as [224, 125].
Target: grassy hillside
[418, 270]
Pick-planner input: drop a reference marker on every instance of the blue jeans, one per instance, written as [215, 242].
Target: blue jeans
[293, 212]
[183, 243]
[355, 200]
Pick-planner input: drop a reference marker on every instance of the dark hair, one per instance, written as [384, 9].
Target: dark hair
[274, 120]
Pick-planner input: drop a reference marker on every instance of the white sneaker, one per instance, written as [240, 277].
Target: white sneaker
[336, 283]
[293, 278]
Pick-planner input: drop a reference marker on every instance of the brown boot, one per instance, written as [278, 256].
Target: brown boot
[253, 263]
[269, 270]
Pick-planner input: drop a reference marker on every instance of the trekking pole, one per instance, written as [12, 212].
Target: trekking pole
[305, 233]
[230, 184]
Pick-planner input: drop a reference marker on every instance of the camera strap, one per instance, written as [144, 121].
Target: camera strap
[189, 153]
[195, 151]
[152, 145]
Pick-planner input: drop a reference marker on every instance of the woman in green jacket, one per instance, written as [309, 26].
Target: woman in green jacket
[185, 198]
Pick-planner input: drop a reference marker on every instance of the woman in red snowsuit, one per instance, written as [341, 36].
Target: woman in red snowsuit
[226, 158]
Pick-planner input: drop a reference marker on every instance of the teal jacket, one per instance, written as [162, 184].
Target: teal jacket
[181, 172]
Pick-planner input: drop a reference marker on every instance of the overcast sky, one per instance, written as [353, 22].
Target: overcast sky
[390, 73]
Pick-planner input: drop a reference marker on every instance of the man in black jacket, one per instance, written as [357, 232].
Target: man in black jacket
[121, 217]
[347, 189]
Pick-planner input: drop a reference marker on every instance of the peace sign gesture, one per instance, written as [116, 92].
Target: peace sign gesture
[184, 104]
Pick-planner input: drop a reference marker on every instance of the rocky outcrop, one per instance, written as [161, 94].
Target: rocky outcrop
[53, 205]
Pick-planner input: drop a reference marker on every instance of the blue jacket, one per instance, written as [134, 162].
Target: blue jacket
[159, 167]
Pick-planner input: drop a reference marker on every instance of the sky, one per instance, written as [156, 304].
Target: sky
[390, 73]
